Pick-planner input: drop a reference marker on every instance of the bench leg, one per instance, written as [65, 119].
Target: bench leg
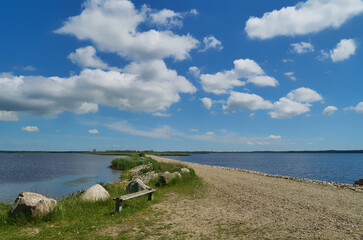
[118, 205]
[151, 196]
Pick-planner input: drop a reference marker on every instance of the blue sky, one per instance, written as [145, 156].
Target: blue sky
[181, 75]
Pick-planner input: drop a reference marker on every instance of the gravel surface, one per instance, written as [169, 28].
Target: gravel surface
[243, 205]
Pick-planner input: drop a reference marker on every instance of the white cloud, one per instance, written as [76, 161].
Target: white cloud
[286, 108]
[287, 60]
[344, 49]
[304, 95]
[146, 86]
[323, 55]
[290, 75]
[113, 26]
[263, 81]
[357, 109]
[239, 100]
[194, 71]
[93, 131]
[207, 102]
[30, 129]
[209, 133]
[303, 18]
[274, 137]
[86, 57]
[159, 114]
[193, 130]
[251, 115]
[302, 47]
[164, 132]
[167, 17]
[211, 42]
[29, 68]
[194, 12]
[8, 116]
[221, 82]
[329, 110]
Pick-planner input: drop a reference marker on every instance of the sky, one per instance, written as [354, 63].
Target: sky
[181, 75]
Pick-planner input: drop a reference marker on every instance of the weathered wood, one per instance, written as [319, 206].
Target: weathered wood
[120, 199]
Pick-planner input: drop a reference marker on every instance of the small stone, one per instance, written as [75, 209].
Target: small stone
[184, 170]
[359, 182]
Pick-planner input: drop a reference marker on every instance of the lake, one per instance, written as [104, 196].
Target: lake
[331, 167]
[52, 174]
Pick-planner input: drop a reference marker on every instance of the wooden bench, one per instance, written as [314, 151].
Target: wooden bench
[123, 198]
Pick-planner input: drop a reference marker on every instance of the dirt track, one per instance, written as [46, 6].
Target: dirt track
[241, 205]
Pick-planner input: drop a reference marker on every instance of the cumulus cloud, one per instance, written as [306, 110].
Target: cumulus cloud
[8, 116]
[247, 69]
[302, 47]
[303, 18]
[113, 27]
[30, 129]
[211, 42]
[86, 57]
[194, 71]
[207, 102]
[304, 95]
[238, 100]
[93, 131]
[142, 86]
[274, 137]
[287, 108]
[344, 49]
[159, 114]
[193, 130]
[295, 103]
[290, 75]
[329, 110]
[167, 17]
[357, 109]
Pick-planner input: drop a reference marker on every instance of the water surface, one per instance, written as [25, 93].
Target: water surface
[331, 167]
[52, 174]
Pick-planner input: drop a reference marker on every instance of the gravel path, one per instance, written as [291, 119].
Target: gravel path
[240, 205]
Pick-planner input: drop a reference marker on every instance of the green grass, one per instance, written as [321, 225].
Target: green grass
[76, 219]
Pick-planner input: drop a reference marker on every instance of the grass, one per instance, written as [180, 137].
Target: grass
[75, 219]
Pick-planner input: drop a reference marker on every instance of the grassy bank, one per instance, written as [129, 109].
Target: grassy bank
[75, 219]
[130, 153]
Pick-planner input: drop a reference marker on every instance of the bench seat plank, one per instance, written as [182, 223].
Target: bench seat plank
[136, 194]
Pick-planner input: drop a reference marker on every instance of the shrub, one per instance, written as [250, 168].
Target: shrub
[124, 164]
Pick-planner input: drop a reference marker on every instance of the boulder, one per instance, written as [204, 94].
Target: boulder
[359, 182]
[167, 177]
[33, 204]
[184, 170]
[95, 193]
[136, 186]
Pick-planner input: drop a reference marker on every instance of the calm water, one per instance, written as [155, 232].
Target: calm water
[52, 174]
[332, 167]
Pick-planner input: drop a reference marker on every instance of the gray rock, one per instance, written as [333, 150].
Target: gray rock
[136, 186]
[167, 177]
[33, 204]
[95, 193]
[359, 182]
[184, 170]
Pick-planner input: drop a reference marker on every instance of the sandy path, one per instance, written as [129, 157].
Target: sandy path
[241, 205]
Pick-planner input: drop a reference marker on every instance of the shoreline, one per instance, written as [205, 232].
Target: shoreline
[352, 187]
